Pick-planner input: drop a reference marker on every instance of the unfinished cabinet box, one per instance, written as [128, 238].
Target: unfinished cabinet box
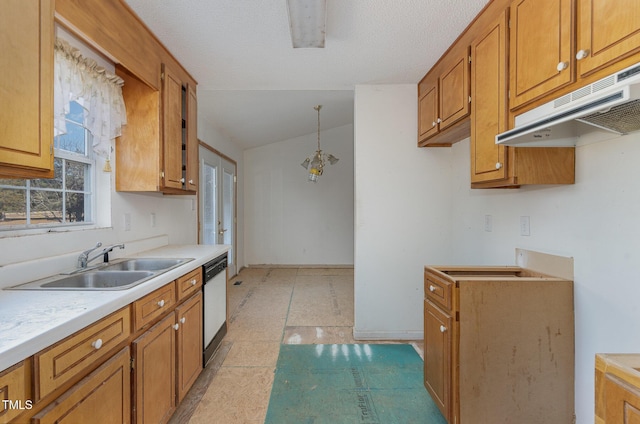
[499, 345]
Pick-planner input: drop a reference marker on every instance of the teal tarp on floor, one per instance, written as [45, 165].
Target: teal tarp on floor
[350, 383]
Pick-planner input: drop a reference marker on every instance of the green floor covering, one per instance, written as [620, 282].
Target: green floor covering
[350, 383]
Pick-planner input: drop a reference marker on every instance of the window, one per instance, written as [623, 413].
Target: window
[68, 198]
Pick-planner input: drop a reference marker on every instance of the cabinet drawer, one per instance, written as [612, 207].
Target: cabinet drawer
[189, 283]
[438, 290]
[61, 362]
[154, 305]
[14, 386]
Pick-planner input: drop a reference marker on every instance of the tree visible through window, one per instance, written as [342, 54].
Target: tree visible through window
[67, 198]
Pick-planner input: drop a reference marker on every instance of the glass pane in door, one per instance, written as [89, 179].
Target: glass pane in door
[209, 207]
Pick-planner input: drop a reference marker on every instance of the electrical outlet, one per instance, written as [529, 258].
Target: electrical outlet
[488, 223]
[525, 226]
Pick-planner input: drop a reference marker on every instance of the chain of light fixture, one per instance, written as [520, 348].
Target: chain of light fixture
[317, 160]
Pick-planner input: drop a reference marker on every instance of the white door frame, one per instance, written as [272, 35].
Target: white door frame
[221, 160]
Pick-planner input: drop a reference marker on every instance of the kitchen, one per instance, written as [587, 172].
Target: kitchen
[418, 209]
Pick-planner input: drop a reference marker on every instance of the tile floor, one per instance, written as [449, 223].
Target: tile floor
[271, 306]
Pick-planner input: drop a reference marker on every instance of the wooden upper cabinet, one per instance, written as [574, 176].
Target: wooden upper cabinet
[489, 113]
[454, 90]
[192, 138]
[606, 32]
[427, 110]
[443, 101]
[26, 89]
[541, 58]
[172, 126]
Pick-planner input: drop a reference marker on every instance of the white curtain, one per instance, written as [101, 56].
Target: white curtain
[78, 78]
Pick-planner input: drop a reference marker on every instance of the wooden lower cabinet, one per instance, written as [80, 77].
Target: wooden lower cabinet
[617, 384]
[15, 386]
[155, 373]
[499, 345]
[189, 344]
[103, 396]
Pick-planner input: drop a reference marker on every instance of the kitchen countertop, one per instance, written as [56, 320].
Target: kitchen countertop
[31, 320]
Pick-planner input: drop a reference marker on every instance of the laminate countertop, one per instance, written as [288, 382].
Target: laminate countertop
[31, 320]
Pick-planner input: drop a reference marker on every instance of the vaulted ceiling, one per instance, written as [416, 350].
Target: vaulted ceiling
[256, 89]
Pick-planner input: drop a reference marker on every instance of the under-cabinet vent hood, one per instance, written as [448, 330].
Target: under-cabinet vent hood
[611, 104]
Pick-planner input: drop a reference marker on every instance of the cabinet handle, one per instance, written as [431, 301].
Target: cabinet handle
[562, 66]
[194, 282]
[191, 182]
[498, 165]
[97, 344]
[176, 326]
[582, 54]
[443, 328]
[183, 320]
[432, 288]
[161, 303]
[439, 120]
[433, 124]
[182, 180]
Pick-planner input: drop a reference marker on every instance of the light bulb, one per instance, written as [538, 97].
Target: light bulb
[314, 173]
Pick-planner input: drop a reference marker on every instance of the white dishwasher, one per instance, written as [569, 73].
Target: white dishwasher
[215, 305]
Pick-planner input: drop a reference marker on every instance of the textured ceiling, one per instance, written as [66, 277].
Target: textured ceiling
[255, 88]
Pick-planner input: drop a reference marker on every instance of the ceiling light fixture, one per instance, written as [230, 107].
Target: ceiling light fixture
[317, 160]
[307, 21]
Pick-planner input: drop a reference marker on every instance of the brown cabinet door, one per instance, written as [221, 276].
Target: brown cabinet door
[172, 128]
[189, 344]
[437, 357]
[454, 90]
[606, 32]
[428, 111]
[154, 373]
[622, 401]
[103, 396]
[192, 139]
[26, 87]
[541, 44]
[489, 114]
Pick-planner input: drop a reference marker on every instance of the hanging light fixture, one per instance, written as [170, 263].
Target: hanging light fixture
[317, 160]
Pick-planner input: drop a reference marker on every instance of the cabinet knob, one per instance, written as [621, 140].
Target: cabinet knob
[433, 124]
[191, 182]
[182, 180]
[439, 120]
[498, 165]
[582, 54]
[194, 282]
[443, 328]
[432, 288]
[161, 303]
[176, 326]
[97, 344]
[562, 66]
[183, 320]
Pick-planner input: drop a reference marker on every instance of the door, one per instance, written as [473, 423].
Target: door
[218, 202]
[437, 357]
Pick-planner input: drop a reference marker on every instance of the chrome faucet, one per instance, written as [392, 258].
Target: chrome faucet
[84, 257]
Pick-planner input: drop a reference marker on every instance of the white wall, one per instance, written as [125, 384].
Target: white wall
[290, 221]
[402, 212]
[596, 221]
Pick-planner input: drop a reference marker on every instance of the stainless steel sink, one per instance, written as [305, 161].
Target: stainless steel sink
[144, 264]
[100, 280]
[121, 274]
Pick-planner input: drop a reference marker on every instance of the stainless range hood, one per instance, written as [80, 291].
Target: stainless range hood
[610, 104]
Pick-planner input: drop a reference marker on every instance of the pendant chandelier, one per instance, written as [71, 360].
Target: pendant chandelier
[317, 160]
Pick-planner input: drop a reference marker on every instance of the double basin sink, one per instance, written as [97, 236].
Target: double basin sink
[118, 275]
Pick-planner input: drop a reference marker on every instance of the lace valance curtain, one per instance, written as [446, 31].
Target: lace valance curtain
[81, 79]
